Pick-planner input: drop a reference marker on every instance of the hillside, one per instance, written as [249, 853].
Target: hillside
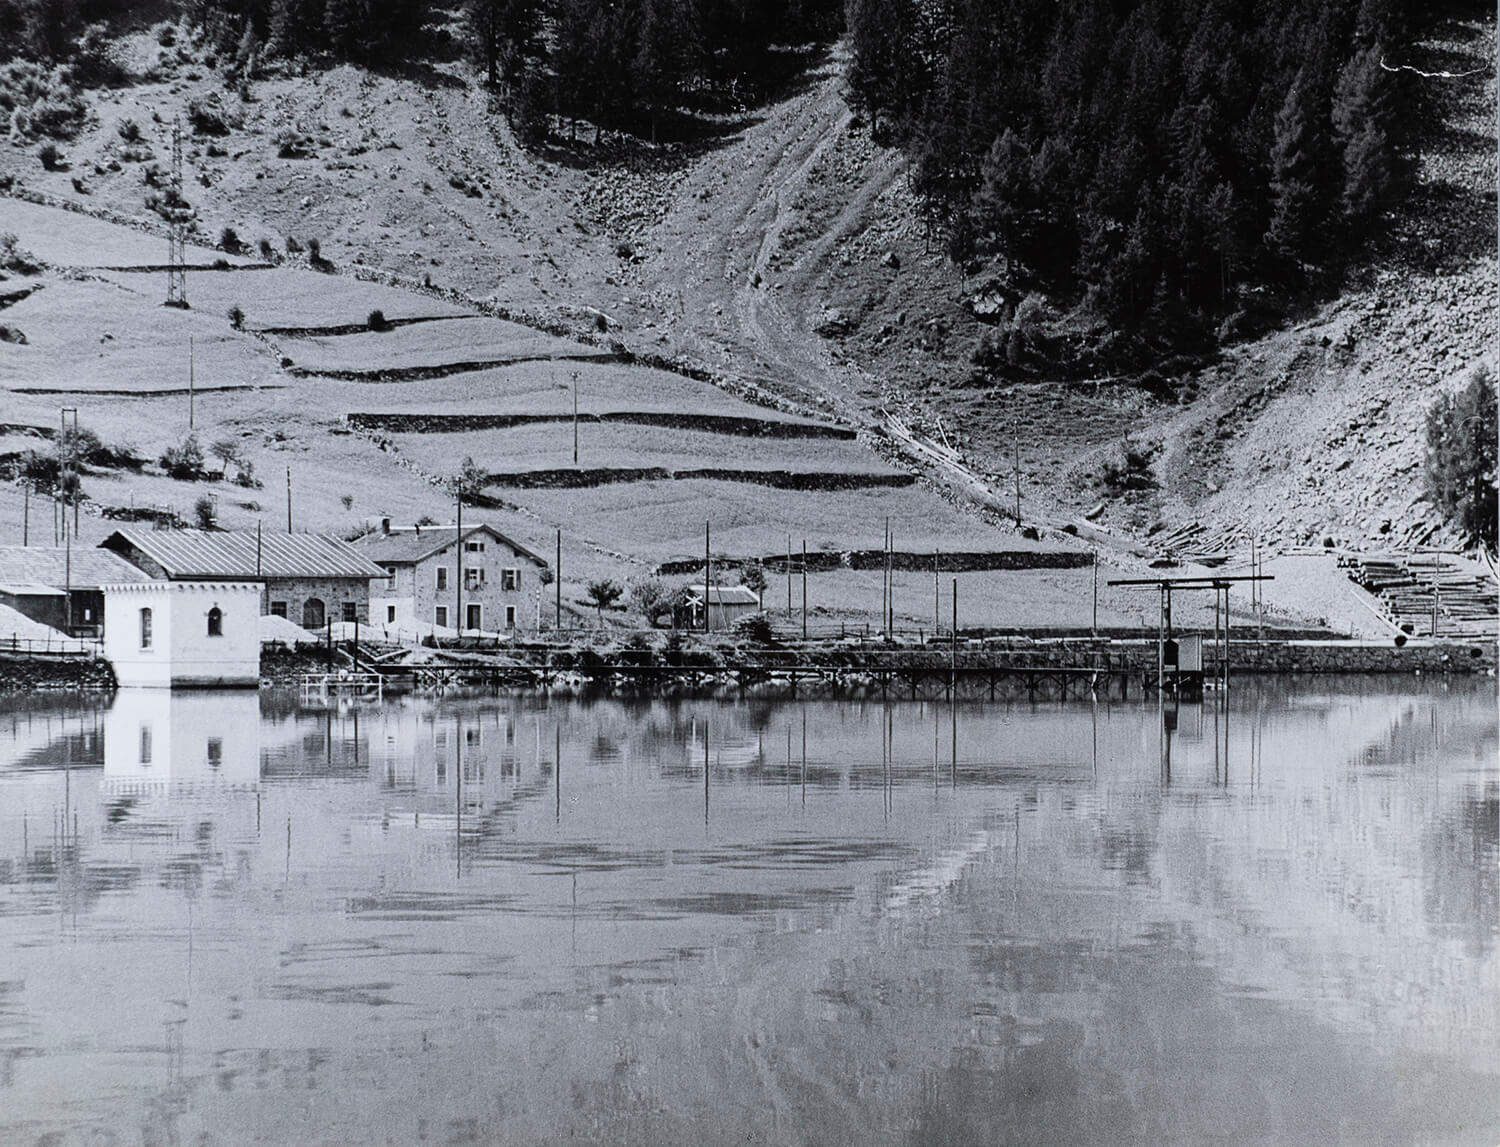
[787, 257]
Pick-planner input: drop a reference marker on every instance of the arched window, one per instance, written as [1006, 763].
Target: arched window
[312, 613]
[145, 629]
[216, 622]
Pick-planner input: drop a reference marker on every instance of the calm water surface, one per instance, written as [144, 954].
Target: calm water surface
[509, 920]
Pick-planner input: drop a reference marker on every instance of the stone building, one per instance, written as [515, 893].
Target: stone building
[499, 590]
[309, 579]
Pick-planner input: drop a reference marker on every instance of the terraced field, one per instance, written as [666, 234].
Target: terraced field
[340, 424]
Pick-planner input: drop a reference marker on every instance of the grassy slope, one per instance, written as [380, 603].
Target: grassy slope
[732, 256]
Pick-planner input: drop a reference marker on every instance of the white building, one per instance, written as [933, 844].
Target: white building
[165, 634]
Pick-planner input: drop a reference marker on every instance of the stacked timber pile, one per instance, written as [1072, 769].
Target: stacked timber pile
[1195, 542]
[1413, 589]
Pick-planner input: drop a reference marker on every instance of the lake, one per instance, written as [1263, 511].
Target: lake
[1267, 919]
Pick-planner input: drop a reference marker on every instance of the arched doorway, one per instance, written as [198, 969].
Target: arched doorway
[312, 613]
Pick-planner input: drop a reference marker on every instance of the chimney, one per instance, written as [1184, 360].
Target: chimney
[385, 526]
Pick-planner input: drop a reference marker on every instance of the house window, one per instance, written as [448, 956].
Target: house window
[390, 614]
[442, 580]
[474, 547]
[313, 615]
[510, 579]
[474, 615]
[473, 577]
[442, 615]
[215, 753]
[216, 622]
[145, 744]
[278, 609]
[145, 629]
[390, 572]
[351, 611]
[510, 617]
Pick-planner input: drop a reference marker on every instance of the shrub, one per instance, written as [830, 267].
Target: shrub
[203, 512]
[755, 628]
[166, 34]
[651, 598]
[292, 245]
[377, 321]
[1461, 457]
[267, 249]
[236, 317]
[229, 239]
[602, 594]
[293, 144]
[16, 258]
[315, 249]
[49, 155]
[128, 130]
[184, 461]
[1130, 469]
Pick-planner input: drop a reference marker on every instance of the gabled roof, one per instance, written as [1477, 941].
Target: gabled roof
[725, 595]
[409, 545]
[50, 566]
[235, 554]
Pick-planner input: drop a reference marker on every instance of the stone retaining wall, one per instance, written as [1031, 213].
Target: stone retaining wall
[671, 420]
[35, 674]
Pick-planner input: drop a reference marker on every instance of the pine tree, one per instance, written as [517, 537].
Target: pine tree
[888, 71]
[1461, 457]
[1298, 200]
[664, 54]
[1362, 120]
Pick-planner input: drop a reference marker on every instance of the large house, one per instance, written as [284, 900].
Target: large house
[310, 579]
[499, 589]
[61, 587]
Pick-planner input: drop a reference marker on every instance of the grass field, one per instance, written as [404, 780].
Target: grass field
[455, 340]
[549, 445]
[68, 239]
[85, 335]
[286, 296]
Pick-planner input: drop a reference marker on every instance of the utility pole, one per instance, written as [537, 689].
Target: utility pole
[1095, 625]
[190, 382]
[707, 566]
[937, 597]
[1015, 438]
[789, 577]
[804, 589]
[26, 512]
[458, 581]
[288, 499]
[557, 579]
[885, 571]
[575, 418]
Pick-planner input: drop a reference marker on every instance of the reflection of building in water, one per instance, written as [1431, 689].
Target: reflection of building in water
[154, 737]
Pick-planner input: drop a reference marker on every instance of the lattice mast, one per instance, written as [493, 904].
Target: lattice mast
[177, 225]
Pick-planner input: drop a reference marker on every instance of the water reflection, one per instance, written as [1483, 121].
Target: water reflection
[1270, 917]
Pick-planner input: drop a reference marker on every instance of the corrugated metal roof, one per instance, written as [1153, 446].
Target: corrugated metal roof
[401, 546]
[49, 565]
[237, 554]
[726, 595]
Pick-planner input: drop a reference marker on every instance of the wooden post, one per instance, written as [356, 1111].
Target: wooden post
[953, 648]
[1161, 639]
[890, 581]
[288, 499]
[458, 581]
[937, 596]
[26, 512]
[1434, 606]
[789, 577]
[1094, 626]
[804, 589]
[1016, 443]
[575, 418]
[707, 567]
[557, 579]
[190, 382]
